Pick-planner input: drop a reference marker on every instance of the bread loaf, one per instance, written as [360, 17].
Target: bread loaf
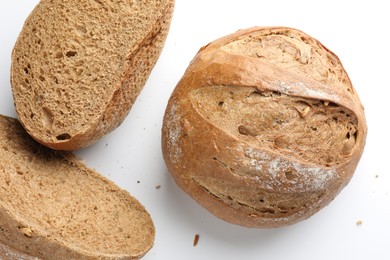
[265, 128]
[54, 207]
[78, 66]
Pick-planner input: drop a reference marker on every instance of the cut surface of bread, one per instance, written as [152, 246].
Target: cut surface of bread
[54, 207]
[78, 66]
[265, 128]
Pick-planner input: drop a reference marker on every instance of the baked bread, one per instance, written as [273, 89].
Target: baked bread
[8, 253]
[54, 207]
[265, 128]
[78, 66]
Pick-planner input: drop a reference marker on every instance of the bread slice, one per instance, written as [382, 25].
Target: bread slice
[78, 66]
[54, 207]
[265, 128]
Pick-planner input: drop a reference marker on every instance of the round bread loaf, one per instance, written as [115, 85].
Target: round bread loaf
[265, 127]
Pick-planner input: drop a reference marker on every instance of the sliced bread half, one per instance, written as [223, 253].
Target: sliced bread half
[78, 66]
[54, 207]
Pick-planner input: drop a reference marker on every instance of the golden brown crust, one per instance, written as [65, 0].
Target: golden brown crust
[248, 176]
[8, 253]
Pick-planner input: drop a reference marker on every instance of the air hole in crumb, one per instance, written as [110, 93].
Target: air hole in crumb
[262, 200]
[81, 29]
[331, 104]
[289, 175]
[256, 97]
[63, 137]
[26, 70]
[47, 117]
[283, 209]
[280, 142]
[304, 39]
[19, 172]
[220, 104]
[42, 78]
[330, 160]
[244, 130]
[70, 54]
[267, 210]
[58, 55]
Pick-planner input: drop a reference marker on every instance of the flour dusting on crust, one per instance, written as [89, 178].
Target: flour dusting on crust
[302, 178]
[174, 133]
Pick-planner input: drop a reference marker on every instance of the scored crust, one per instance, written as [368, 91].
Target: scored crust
[265, 127]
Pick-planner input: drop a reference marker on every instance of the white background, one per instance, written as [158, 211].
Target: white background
[357, 31]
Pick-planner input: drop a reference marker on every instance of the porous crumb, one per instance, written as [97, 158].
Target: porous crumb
[65, 200]
[196, 240]
[59, 80]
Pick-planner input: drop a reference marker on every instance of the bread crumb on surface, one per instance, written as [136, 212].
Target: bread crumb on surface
[196, 240]
[359, 222]
[158, 187]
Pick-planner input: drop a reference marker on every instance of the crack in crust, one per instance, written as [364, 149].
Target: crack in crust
[310, 130]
